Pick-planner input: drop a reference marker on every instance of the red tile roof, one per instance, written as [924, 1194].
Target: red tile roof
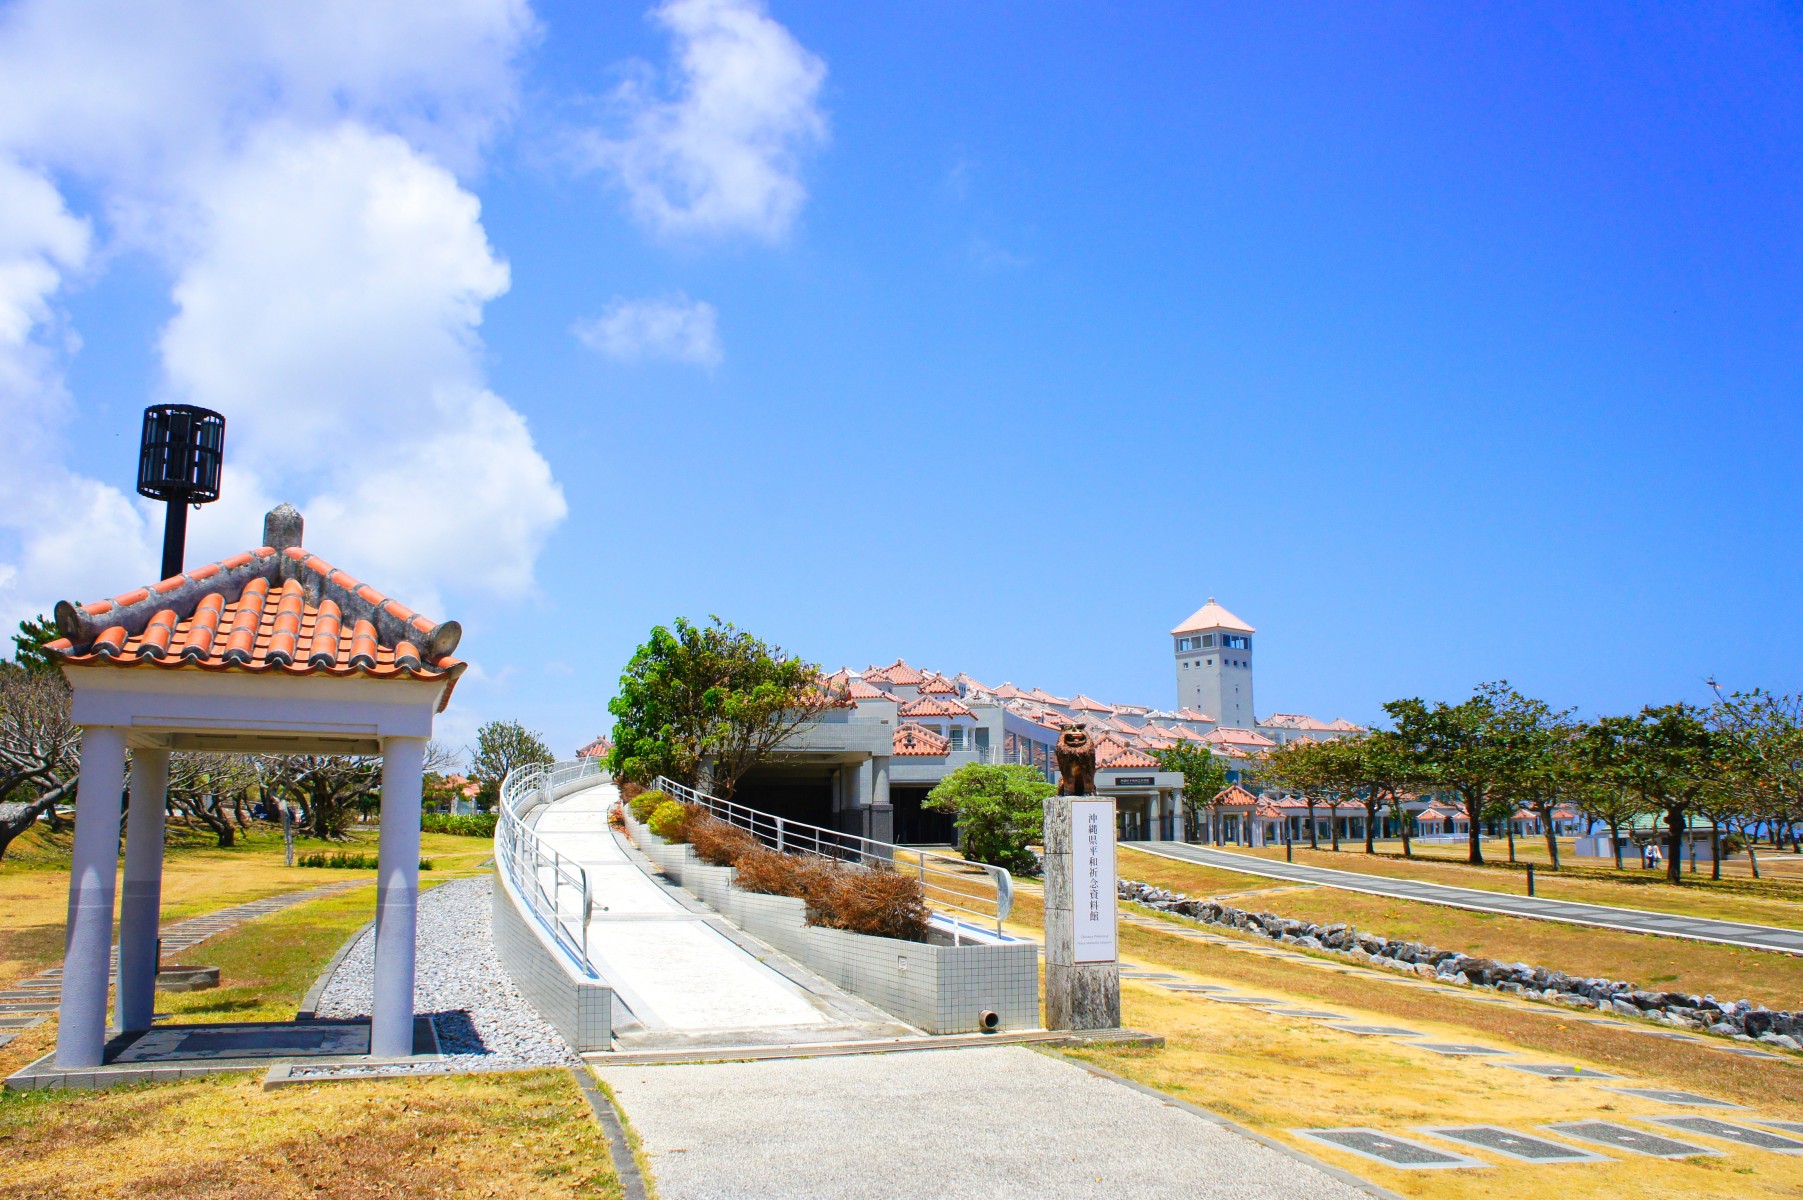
[1236, 737]
[933, 706]
[917, 741]
[897, 672]
[1190, 714]
[859, 690]
[290, 612]
[939, 685]
[970, 685]
[1235, 794]
[1007, 692]
[1044, 697]
[1083, 703]
[1114, 756]
[1212, 616]
[601, 747]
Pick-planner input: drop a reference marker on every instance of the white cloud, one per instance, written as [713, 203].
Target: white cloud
[723, 153]
[292, 166]
[674, 328]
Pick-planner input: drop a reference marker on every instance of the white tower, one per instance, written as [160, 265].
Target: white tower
[1214, 665]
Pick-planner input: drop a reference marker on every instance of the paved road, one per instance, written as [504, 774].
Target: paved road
[1702, 929]
[996, 1123]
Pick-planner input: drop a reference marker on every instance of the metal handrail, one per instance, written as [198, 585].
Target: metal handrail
[991, 888]
[555, 888]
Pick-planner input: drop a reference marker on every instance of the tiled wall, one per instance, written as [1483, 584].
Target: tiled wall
[581, 1010]
[940, 989]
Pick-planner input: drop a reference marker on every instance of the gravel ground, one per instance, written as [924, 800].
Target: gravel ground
[482, 1020]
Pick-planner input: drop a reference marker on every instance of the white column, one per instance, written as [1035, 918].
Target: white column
[88, 937]
[141, 895]
[397, 897]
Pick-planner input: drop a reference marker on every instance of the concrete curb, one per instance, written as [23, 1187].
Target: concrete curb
[626, 1166]
[309, 1005]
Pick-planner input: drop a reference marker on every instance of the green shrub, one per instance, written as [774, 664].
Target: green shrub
[340, 860]
[481, 825]
[645, 803]
[667, 821]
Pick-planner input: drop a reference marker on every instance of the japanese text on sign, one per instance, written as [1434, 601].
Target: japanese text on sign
[1092, 879]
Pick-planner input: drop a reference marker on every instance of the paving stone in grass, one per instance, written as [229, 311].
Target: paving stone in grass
[1377, 1030]
[1390, 1150]
[1673, 1096]
[1621, 1137]
[1247, 999]
[1313, 1014]
[1517, 1145]
[1459, 1048]
[1558, 1071]
[1759, 1139]
[1748, 1052]
[1787, 1126]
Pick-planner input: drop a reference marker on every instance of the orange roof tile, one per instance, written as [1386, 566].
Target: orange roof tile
[601, 747]
[1083, 703]
[1007, 692]
[1114, 756]
[1236, 737]
[970, 685]
[1191, 714]
[939, 685]
[933, 706]
[259, 611]
[859, 690]
[897, 672]
[917, 741]
[1045, 697]
[1234, 794]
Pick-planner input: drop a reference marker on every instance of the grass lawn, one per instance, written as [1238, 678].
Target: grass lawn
[514, 1134]
[1772, 901]
[1775, 980]
[198, 877]
[518, 1134]
[1275, 1075]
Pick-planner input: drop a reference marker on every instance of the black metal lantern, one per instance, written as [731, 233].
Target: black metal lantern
[179, 459]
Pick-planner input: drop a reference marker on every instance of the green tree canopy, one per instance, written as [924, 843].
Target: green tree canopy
[704, 704]
[1000, 811]
[501, 748]
[1204, 776]
[1456, 749]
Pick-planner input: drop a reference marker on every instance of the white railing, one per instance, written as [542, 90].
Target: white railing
[961, 889]
[553, 887]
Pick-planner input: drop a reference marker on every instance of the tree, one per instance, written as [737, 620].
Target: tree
[202, 785]
[503, 747]
[1762, 735]
[1299, 767]
[1456, 749]
[1668, 755]
[1534, 759]
[325, 787]
[40, 748]
[1204, 778]
[999, 811]
[28, 644]
[1601, 785]
[706, 704]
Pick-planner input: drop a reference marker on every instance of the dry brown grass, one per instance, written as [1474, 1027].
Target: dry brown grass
[1774, 901]
[1774, 1085]
[517, 1135]
[1672, 964]
[874, 901]
[718, 842]
[1276, 1075]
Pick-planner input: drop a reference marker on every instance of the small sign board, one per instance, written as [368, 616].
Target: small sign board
[1092, 870]
[1134, 781]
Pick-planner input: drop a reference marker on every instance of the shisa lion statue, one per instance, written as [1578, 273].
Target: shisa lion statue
[1076, 762]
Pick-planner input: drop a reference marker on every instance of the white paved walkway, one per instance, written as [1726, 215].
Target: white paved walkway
[991, 1123]
[670, 967]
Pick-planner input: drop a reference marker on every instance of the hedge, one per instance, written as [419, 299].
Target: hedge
[480, 825]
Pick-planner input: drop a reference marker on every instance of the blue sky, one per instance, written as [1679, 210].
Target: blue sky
[1440, 345]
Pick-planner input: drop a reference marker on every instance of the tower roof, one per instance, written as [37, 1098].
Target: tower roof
[1213, 616]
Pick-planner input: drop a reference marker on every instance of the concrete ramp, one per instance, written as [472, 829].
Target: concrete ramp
[686, 977]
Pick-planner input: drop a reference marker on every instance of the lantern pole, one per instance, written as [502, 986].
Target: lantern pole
[175, 536]
[179, 461]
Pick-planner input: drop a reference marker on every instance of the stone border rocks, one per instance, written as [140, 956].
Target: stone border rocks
[1737, 1019]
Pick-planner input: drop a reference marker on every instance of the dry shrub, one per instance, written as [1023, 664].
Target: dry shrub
[875, 901]
[772, 874]
[630, 791]
[719, 842]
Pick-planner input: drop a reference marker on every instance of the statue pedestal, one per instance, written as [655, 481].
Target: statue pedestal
[1082, 956]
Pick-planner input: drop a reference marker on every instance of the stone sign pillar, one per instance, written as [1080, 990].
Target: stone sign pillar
[1082, 958]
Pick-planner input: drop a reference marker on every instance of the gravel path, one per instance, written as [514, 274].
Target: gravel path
[482, 1020]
